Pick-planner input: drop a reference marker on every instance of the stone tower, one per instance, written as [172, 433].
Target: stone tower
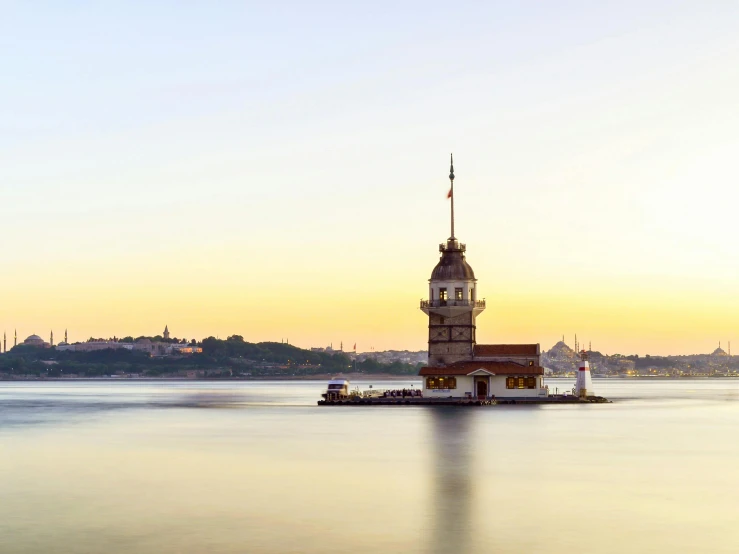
[452, 306]
[166, 333]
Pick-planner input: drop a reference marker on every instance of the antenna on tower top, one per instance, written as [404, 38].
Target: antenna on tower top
[451, 191]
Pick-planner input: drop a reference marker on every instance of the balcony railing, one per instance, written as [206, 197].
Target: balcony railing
[452, 245]
[446, 303]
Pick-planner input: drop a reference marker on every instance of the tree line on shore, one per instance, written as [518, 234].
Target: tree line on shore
[231, 357]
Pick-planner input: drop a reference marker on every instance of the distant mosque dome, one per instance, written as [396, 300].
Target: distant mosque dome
[34, 340]
[452, 266]
[719, 352]
[561, 346]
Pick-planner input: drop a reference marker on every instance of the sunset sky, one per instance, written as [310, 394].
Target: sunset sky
[279, 170]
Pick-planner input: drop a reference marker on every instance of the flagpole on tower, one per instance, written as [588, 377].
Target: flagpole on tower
[451, 191]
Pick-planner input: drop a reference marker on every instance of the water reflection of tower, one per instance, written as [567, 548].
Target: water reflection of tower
[452, 488]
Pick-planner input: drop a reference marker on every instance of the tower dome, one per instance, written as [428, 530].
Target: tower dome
[452, 266]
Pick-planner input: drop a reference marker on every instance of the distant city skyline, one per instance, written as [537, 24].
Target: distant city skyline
[281, 170]
[572, 342]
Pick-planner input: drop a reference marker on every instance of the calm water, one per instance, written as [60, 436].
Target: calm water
[180, 467]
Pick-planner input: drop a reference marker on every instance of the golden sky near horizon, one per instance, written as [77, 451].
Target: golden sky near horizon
[289, 182]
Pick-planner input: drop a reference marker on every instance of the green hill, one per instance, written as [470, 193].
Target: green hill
[232, 357]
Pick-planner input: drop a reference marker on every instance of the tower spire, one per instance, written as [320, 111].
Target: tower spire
[451, 191]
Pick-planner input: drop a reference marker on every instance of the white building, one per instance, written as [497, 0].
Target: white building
[95, 345]
[458, 366]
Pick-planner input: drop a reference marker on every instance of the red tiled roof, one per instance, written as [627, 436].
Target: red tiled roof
[498, 368]
[492, 350]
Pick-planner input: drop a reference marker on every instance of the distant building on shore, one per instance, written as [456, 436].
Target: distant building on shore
[35, 340]
[328, 350]
[153, 348]
[719, 351]
[95, 345]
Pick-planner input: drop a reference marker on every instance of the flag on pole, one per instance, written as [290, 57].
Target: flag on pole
[449, 194]
[355, 347]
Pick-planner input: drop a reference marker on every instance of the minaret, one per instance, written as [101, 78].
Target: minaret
[452, 306]
[166, 333]
[15, 338]
[65, 336]
[51, 339]
[5, 343]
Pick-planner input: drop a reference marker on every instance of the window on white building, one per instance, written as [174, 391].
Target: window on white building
[441, 383]
[520, 383]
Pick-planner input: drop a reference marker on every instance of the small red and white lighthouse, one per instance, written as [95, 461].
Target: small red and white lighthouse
[584, 383]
